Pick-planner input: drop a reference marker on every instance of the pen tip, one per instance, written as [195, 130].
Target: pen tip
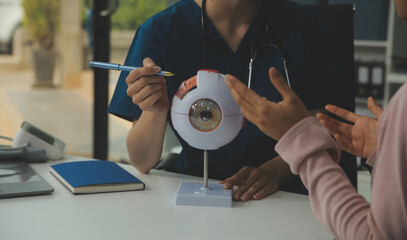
[168, 74]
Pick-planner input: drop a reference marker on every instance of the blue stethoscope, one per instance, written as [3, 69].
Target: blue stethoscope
[254, 49]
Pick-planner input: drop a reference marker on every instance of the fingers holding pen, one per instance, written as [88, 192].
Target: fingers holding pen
[145, 92]
[149, 69]
[144, 82]
[147, 89]
[148, 62]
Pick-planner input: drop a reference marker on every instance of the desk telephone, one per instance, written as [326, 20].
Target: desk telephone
[32, 144]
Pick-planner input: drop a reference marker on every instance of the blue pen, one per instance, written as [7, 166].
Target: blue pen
[119, 67]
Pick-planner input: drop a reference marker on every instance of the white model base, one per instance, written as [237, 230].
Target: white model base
[193, 194]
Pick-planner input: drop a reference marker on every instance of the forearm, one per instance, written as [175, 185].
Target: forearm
[145, 140]
[334, 201]
[279, 170]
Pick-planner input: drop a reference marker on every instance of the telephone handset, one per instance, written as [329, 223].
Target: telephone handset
[33, 145]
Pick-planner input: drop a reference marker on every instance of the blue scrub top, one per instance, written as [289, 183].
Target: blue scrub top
[173, 39]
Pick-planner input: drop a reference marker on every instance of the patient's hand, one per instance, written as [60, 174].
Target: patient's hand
[360, 138]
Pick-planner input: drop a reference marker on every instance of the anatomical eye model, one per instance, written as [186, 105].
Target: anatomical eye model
[205, 115]
[204, 112]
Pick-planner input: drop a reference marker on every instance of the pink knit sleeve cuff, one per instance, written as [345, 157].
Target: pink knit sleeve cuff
[304, 139]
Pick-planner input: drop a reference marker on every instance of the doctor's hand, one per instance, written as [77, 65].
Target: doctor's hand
[254, 183]
[274, 119]
[147, 90]
[358, 138]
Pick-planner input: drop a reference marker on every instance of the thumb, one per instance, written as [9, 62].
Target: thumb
[148, 62]
[374, 107]
[279, 82]
[151, 67]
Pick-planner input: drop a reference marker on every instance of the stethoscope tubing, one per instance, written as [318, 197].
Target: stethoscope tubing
[253, 49]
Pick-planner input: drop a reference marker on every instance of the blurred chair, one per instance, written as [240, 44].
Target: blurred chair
[338, 20]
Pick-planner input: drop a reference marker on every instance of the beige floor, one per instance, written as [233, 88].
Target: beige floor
[63, 113]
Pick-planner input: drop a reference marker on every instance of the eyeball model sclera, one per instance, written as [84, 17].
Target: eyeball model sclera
[204, 113]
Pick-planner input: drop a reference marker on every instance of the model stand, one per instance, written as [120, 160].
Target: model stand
[206, 194]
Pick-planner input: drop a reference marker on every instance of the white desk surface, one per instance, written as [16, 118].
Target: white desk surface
[151, 214]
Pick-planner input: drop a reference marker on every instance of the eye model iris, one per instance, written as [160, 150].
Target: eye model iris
[205, 115]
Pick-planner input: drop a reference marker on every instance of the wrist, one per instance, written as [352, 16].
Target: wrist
[158, 116]
[153, 121]
[277, 170]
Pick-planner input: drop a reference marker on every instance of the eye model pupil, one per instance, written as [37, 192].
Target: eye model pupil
[205, 115]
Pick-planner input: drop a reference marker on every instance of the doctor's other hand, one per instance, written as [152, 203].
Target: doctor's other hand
[273, 118]
[148, 90]
[358, 138]
[253, 183]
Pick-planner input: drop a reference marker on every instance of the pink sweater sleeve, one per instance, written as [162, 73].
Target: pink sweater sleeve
[334, 200]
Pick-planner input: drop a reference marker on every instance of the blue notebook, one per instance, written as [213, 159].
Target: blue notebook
[95, 177]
